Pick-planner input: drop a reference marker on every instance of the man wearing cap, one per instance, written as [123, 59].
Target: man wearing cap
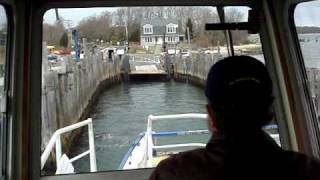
[239, 93]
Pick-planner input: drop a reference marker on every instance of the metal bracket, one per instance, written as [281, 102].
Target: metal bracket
[252, 26]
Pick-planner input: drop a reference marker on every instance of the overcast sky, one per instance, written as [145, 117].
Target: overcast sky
[3, 17]
[306, 14]
[74, 14]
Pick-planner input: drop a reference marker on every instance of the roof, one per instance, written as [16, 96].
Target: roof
[159, 21]
[159, 25]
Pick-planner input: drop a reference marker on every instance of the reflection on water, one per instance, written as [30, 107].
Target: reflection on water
[121, 114]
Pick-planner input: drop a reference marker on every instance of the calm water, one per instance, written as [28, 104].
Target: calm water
[121, 114]
[310, 49]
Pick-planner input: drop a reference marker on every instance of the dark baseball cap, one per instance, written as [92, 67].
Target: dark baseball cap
[238, 78]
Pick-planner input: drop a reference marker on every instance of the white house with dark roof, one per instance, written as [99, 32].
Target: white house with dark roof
[159, 30]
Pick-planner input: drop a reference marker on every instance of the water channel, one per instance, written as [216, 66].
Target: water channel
[121, 112]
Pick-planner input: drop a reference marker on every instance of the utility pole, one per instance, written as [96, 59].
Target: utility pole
[126, 24]
[227, 33]
[127, 34]
[57, 15]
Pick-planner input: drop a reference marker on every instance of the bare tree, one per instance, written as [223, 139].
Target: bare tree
[234, 15]
[96, 27]
[109, 26]
[53, 33]
[212, 38]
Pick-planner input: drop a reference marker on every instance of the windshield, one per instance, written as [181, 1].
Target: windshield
[111, 68]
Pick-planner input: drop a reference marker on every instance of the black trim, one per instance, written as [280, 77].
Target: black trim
[229, 26]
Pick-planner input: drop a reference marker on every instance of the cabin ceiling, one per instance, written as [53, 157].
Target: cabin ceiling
[97, 3]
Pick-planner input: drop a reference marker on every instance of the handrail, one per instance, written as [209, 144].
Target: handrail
[149, 133]
[144, 59]
[178, 116]
[179, 133]
[173, 116]
[168, 146]
[55, 140]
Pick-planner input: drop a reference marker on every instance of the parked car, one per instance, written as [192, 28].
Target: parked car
[52, 57]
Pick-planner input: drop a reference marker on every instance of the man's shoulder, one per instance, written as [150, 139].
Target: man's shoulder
[185, 158]
[195, 164]
[303, 164]
[194, 160]
[300, 158]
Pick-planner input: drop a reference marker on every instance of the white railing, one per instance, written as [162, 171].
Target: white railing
[179, 145]
[150, 145]
[144, 59]
[56, 140]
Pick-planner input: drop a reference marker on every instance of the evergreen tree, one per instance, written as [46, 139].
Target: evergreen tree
[135, 35]
[64, 40]
[189, 24]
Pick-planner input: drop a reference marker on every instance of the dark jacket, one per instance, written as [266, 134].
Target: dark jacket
[256, 157]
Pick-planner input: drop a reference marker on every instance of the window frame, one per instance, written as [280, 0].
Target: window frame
[171, 29]
[6, 133]
[295, 106]
[106, 174]
[148, 39]
[147, 29]
[313, 123]
[171, 39]
[33, 132]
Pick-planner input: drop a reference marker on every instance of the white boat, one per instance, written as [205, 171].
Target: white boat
[145, 153]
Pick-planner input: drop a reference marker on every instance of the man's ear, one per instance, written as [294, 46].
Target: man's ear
[212, 124]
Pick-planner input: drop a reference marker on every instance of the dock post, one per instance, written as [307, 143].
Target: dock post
[126, 68]
[168, 66]
[85, 47]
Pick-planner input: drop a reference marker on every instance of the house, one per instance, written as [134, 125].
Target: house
[153, 31]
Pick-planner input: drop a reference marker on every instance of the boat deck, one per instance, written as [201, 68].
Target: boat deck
[156, 160]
